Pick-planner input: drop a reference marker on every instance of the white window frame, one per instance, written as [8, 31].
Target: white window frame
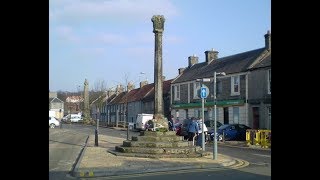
[269, 81]
[196, 86]
[234, 93]
[176, 92]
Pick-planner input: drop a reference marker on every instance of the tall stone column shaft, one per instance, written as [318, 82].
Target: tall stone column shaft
[158, 27]
[86, 99]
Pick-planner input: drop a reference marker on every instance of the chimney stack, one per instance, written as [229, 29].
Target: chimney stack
[130, 86]
[193, 60]
[119, 89]
[180, 70]
[267, 38]
[143, 83]
[110, 92]
[211, 55]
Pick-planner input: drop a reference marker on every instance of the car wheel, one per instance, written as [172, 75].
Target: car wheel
[220, 137]
[52, 125]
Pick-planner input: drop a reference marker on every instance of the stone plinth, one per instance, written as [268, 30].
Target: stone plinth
[155, 144]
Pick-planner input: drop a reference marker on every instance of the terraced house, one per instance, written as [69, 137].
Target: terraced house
[243, 94]
[124, 104]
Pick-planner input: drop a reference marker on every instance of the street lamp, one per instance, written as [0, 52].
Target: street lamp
[97, 129]
[215, 148]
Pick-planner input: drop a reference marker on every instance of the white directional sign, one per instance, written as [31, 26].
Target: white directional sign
[203, 92]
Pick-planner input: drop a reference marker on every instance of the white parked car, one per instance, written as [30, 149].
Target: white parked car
[53, 122]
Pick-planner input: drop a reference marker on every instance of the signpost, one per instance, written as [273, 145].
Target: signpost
[204, 91]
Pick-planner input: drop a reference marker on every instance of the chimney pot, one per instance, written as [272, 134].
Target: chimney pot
[192, 60]
[267, 38]
[180, 70]
[211, 55]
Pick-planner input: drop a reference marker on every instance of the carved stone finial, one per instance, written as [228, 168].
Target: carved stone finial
[158, 23]
[86, 82]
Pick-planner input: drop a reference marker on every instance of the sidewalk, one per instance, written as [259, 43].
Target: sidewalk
[97, 161]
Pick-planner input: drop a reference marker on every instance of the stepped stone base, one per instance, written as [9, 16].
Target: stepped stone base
[154, 144]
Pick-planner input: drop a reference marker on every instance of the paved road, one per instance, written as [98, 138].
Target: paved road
[202, 174]
[259, 168]
[102, 130]
[64, 148]
[260, 160]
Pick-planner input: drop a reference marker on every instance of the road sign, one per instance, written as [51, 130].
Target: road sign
[203, 91]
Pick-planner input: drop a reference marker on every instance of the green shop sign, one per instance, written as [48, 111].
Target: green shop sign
[208, 104]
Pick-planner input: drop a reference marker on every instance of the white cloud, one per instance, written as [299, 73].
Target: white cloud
[76, 10]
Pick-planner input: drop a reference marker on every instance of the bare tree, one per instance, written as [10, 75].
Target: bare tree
[97, 97]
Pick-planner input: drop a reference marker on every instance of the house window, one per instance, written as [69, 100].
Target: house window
[235, 85]
[177, 92]
[196, 87]
[236, 115]
[269, 81]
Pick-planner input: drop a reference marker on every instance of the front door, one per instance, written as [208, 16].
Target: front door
[225, 115]
[256, 117]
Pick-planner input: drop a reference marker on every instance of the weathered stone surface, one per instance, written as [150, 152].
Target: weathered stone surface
[158, 145]
[157, 138]
[158, 27]
[161, 143]
[157, 133]
[149, 150]
[155, 144]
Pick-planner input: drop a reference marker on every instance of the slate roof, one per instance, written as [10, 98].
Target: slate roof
[128, 96]
[166, 89]
[110, 98]
[141, 92]
[117, 99]
[265, 62]
[229, 64]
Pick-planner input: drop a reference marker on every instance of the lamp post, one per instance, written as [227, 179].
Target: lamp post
[215, 146]
[97, 129]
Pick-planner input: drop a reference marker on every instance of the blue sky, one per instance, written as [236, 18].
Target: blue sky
[112, 40]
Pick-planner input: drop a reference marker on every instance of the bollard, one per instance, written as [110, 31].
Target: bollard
[248, 137]
[257, 139]
[251, 137]
[96, 137]
[127, 130]
[265, 138]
